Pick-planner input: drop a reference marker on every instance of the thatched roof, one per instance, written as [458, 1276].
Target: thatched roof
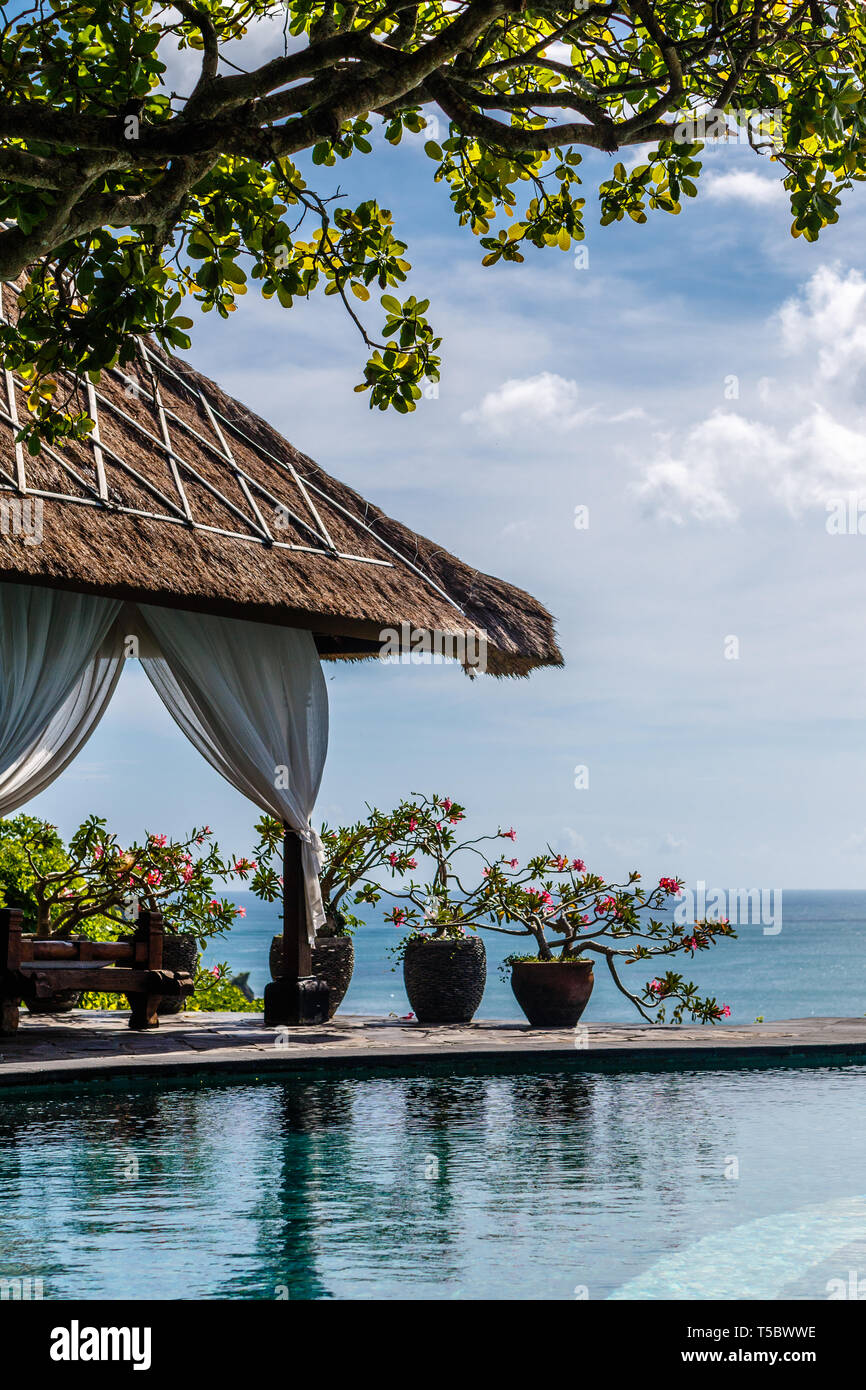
[183, 497]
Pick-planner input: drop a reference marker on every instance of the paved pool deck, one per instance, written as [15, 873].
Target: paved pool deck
[92, 1046]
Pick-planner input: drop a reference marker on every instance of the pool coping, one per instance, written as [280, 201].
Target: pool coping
[89, 1046]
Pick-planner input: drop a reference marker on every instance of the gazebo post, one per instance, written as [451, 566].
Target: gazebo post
[297, 996]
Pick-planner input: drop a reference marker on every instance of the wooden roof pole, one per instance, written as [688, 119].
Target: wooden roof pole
[297, 996]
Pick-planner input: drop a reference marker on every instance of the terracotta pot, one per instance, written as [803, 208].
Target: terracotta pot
[179, 952]
[445, 979]
[333, 962]
[552, 995]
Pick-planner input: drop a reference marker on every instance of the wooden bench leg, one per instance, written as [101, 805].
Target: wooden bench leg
[143, 1007]
[8, 1015]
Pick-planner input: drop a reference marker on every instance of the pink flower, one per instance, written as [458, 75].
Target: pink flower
[512, 863]
[216, 972]
[509, 834]
[412, 863]
[447, 804]
[154, 878]
[159, 840]
[578, 865]
[656, 986]
[97, 851]
[392, 858]
[670, 886]
[454, 820]
[726, 1011]
[399, 917]
[560, 863]
[213, 905]
[186, 873]
[406, 1017]
[413, 825]
[240, 912]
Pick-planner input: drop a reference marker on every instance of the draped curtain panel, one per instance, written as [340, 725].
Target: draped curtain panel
[58, 670]
[253, 700]
[251, 697]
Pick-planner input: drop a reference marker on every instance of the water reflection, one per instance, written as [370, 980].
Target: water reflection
[411, 1187]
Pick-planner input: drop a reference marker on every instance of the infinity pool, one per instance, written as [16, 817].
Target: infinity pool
[641, 1185]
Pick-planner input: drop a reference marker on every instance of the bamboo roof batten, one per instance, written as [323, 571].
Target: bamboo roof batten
[188, 499]
[20, 475]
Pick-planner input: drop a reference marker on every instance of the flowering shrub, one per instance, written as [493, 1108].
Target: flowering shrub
[552, 898]
[95, 886]
[354, 854]
[446, 905]
[578, 914]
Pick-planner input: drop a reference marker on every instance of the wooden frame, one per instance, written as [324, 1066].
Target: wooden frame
[33, 967]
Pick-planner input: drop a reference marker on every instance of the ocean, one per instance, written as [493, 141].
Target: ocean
[815, 965]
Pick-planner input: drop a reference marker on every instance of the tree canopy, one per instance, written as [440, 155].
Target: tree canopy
[121, 197]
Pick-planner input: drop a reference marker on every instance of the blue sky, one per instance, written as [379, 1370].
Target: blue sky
[607, 387]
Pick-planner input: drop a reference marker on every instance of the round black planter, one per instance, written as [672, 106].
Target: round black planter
[179, 952]
[552, 995]
[333, 962]
[445, 979]
[59, 1003]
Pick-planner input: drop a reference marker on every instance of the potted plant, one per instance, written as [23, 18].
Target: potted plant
[575, 916]
[353, 855]
[94, 888]
[444, 967]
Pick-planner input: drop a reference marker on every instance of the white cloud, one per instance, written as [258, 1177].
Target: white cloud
[829, 315]
[811, 448]
[546, 399]
[743, 186]
[526, 402]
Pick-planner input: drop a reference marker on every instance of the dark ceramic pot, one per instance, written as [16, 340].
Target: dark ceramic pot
[179, 952]
[445, 979]
[333, 962]
[550, 994]
[59, 1003]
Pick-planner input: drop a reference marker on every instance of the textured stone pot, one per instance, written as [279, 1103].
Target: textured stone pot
[59, 1003]
[333, 962]
[445, 979]
[550, 994]
[179, 952]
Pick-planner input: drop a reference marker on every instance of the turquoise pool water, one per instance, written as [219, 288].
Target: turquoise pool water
[546, 1185]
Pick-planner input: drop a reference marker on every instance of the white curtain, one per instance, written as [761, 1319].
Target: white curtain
[252, 698]
[59, 665]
